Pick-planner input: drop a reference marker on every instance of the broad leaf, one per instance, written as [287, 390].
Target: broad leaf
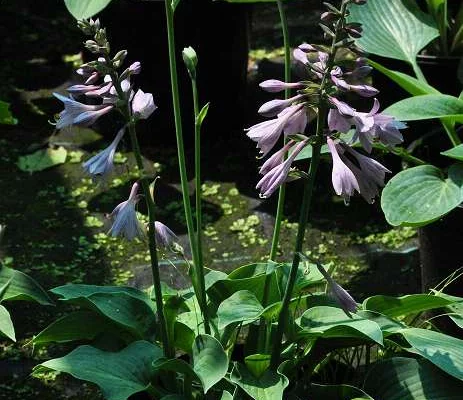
[455, 152]
[257, 364]
[442, 350]
[402, 378]
[22, 287]
[337, 392]
[412, 85]
[42, 159]
[331, 322]
[401, 306]
[6, 325]
[118, 374]
[428, 106]
[387, 325]
[82, 9]
[269, 386]
[242, 306]
[210, 362]
[421, 195]
[75, 326]
[394, 28]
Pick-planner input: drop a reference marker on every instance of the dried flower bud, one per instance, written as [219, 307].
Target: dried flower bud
[190, 59]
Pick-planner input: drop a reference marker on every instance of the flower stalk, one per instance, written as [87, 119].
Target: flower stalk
[182, 164]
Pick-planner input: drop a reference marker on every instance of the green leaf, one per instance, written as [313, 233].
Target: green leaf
[83, 9]
[394, 28]
[331, 322]
[269, 386]
[202, 114]
[74, 326]
[412, 85]
[226, 396]
[210, 362]
[6, 118]
[402, 378]
[42, 159]
[421, 195]
[128, 307]
[241, 306]
[387, 325]
[455, 152]
[428, 106]
[6, 325]
[401, 306]
[442, 350]
[257, 364]
[118, 374]
[22, 287]
[337, 392]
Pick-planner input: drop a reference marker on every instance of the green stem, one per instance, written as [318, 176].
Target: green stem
[303, 219]
[419, 74]
[199, 223]
[168, 350]
[282, 191]
[181, 155]
[402, 153]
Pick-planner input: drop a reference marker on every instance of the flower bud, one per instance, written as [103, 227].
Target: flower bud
[190, 59]
[143, 104]
[119, 58]
[92, 46]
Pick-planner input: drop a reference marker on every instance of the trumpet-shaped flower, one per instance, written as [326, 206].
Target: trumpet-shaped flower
[76, 113]
[267, 133]
[165, 238]
[143, 105]
[275, 107]
[124, 217]
[276, 176]
[274, 85]
[102, 163]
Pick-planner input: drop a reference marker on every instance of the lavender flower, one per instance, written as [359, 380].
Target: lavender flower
[275, 107]
[81, 89]
[102, 163]
[124, 217]
[76, 113]
[278, 173]
[267, 133]
[142, 104]
[362, 90]
[165, 238]
[274, 85]
[344, 180]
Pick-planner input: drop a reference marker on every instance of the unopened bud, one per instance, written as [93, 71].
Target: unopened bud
[329, 16]
[354, 29]
[119, 57]
[92, 46]
[84, 26]
[190, 59]
[100, 37]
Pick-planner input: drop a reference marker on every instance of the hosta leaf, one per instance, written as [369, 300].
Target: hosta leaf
[118, 374]
[82, 9]
[401, 378]
[421, 195]
[242, 306]
[6, 325]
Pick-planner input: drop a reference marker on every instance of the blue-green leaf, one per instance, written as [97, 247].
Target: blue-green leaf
[83, 9]
[6, 325]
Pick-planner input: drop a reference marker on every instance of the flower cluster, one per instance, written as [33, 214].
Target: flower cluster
[114, 91]
[328, 84]
[103, 84]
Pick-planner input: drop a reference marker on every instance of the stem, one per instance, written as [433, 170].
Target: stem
[199, 223]
[168, 350]
[419, 74]
[181, 153]
[282, 191]
[307, 196]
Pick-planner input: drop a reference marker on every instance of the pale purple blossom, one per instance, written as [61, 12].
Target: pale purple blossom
[143, 104]
[344, 180]
[76, 113]
[267, 133]
[362, 90]
[165, 238]
[306, 47]
[274, 107]
[124, 217]
[102, 163]
[301, 56]
[276, 176]
[274, 85]
[135, 68]
[276, 159]
[81, 89]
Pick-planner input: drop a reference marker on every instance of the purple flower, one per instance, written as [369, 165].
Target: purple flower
[274, 85]
[362, 90]
[344, 180]
[306, 48]
[267, 133]
[165, 238]
[102, 163]
[143, 104]
[76, 113]
[274, 107]
[81, 89]
[276, 159]
[135, 68]
[301, 56]
[276, 176]
[345, 300]
[124, 217]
